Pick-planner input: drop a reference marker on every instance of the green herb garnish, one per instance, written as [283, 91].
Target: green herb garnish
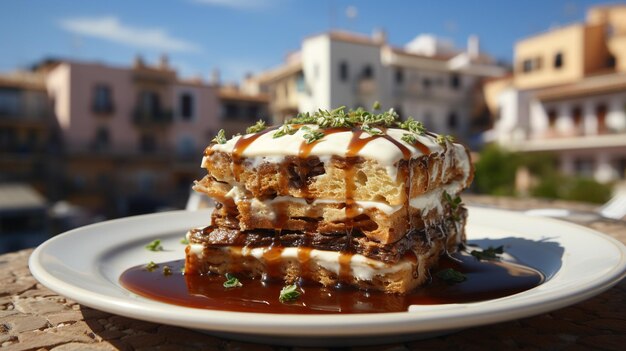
[371, 130]
[259, 126]
[488, 254]
[455, 205]
[232, 282]
[151, 266]
[167, 270]
[155, 245]
[184, 241]
[220, 138]
[284, 130]
[443, 139]
[409, 138]
[289, 293]
[412, 126]
[311, 135]
[451, 276]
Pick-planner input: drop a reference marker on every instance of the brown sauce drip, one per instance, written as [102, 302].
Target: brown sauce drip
[485, 281]
[240, 146]
[406, 153]
[272, 259]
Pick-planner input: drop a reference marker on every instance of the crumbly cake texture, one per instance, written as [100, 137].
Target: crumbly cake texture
[361, 200]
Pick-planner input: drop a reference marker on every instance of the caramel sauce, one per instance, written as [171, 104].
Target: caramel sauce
[486, 280]
[240, 146]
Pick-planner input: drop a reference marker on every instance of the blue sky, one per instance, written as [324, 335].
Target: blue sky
[239, 36]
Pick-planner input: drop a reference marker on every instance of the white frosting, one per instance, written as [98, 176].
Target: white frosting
[382, 150]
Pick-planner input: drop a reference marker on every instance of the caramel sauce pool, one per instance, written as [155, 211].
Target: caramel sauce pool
[486, 280]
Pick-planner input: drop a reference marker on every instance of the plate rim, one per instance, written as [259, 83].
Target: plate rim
[318, 325]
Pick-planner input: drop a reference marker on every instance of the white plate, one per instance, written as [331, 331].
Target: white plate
[84, 264]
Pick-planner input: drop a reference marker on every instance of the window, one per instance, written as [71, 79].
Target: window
[551, 118]
[577, 116]
[102, 99]
[610, 61]
[343, 71]
[455, 81]
[102, 139]
[147, 143]
[186, 145]
[9, 102]
[253, 112]
[453, 120]
[426, 83]
[368, 72]
[231, 110]
[601, 111]
[300, 85]
[149, 102]
[527, 66]
[399, 76]
[186, 106]
[558, 60]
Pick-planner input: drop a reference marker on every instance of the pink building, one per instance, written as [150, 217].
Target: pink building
[132, 137]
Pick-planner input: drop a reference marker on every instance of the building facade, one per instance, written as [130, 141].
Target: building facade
[567, 96]
[131, 136]
[435, 83]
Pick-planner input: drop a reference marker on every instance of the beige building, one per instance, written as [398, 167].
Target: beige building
[428, 78]
[567, 95]
[26, 129]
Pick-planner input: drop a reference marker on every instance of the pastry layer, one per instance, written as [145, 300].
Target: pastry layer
[378, 172]
[416, 241]
[326, 267]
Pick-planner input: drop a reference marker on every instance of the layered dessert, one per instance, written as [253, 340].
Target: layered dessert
[334, 197]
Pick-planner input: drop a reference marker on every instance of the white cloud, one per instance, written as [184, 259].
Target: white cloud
[110, 28]
[237, 4]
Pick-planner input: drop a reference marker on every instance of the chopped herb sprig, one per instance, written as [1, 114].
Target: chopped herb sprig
[258, 127]
[285, 129]
[167, 270]
[311, 136]
[451, 276]
[155, 245]
[488, 254]
[374, 123]
[220, 138]
[151, 266]
[232, 282]
[289, 293]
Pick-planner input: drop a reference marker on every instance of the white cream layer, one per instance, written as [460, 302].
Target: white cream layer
[425, 202]
[361, 267]
[386, 153]
[266, 149]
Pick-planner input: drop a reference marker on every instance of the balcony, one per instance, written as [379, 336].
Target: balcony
[145, 118]
[103, 109]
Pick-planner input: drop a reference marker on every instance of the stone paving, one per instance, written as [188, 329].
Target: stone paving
[34, 318]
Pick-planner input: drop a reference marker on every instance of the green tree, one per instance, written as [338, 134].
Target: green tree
[495, 171]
